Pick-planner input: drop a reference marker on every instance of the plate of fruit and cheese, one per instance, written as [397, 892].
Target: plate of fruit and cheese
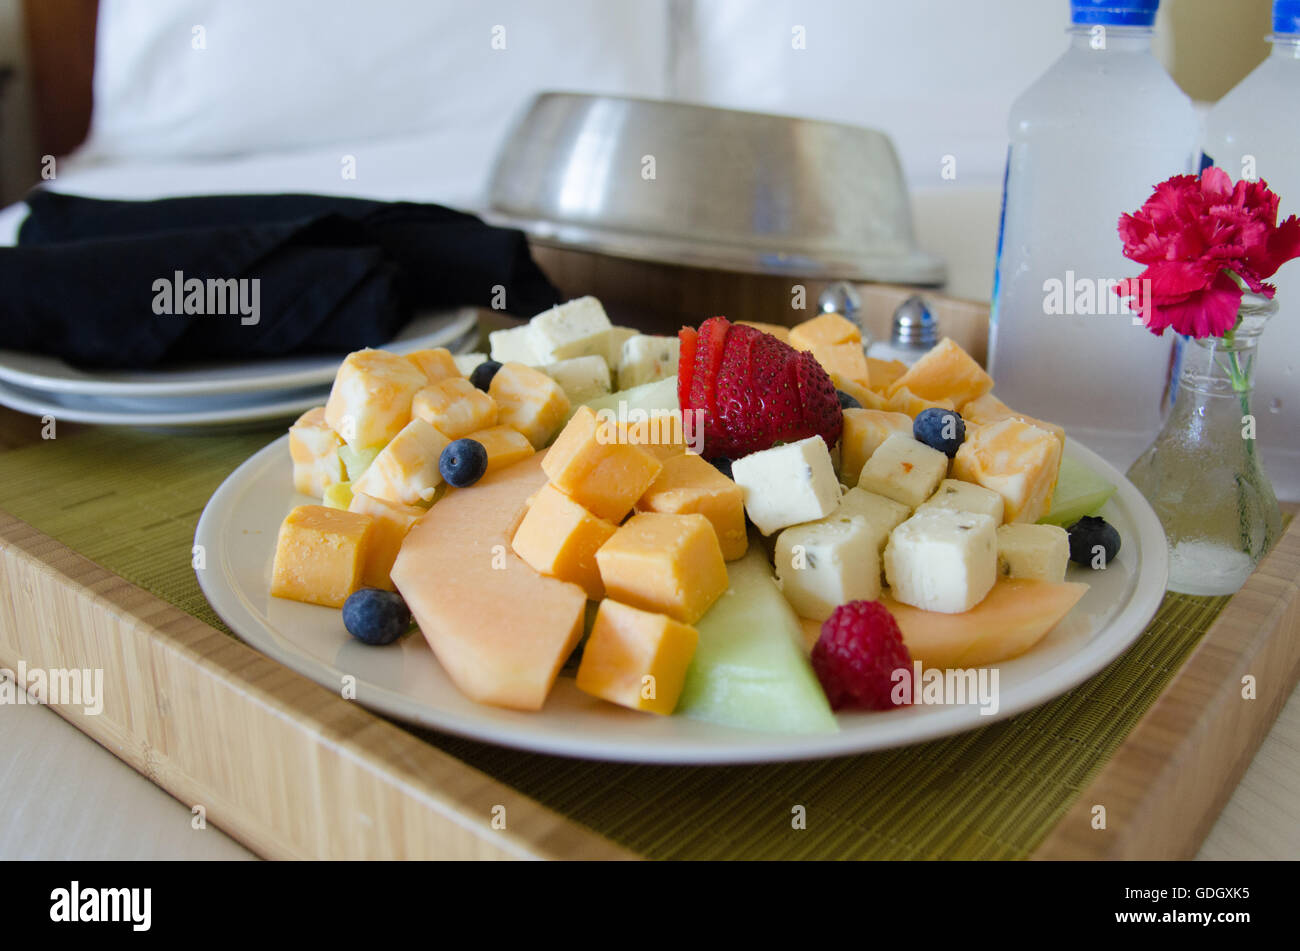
[743, 544]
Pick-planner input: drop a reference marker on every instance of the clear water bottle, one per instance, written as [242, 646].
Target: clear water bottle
[1089, 140]
[1254, 133]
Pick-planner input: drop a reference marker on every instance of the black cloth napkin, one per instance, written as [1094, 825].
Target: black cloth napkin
[88, 277]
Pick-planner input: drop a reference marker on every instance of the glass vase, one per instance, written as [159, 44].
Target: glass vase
[1203, 474]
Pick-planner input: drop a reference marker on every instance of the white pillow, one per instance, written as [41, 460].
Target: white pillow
[203, 78]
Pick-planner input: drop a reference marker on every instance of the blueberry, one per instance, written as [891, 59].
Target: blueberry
[463, 462]
[846, 401]
[1089, 533]
[941, 429]
[723, 465]
[483, 374]
[376, 617]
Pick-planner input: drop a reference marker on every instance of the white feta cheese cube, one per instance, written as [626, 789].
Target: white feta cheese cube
[577, 328]
[965, 497]
[615, 339]
[824, 564]
[514, 345]
[1040, 552]
[789, 484]
[647, 358]
[882, 515]
[582, 378]
[904, 470]
[941, 560]
[466, 362]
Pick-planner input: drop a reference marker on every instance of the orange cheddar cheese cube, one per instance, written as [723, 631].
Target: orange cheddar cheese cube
[530, 401]
[406, 470]
[905, 401]
[1018, 461]
[314, 449]
[687, 484]
[505, 446]
[637, 659]
[844, 359]
[946, 372]
[392, 522]
[320, 555]
[370, 401]
[590, 465]
[864, 431]
[660, 434]
[558, 537]
[455, 407]
[989, 409]
[671, 564]
[776, 330]
[437, 364]
[824, 330]
[884, 373]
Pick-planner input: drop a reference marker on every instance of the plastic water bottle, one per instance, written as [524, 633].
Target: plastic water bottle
[1089, 141]
[1253, 133]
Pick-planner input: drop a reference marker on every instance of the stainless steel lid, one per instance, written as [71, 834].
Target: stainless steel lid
[704, 187]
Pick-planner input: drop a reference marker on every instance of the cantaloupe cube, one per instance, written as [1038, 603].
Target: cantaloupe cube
[392, 522]
[903, 400]
[320, 555]
[824, 330]
[844, 359]
[590, 465]
[945, 372]
[776, 330]
[1018, 461]
[671, 564]
[989, 409]
[370, 400]
[884, 373]
[530, 401]
[436, 364]
[455, 407]
[406, 471]
[314, 449]
[637, 659]
[864, 430]
[558, 537]
[505, 446]
[688, 484]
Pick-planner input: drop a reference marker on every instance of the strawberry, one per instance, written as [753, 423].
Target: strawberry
[755, 391]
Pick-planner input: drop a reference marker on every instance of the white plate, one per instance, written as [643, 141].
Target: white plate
[50, 375]
[238, 531]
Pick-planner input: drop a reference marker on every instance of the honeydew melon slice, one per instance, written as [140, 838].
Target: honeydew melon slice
[749, 669]
[1079, 492]
[661, 394]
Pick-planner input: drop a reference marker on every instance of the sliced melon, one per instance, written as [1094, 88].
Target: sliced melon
[661, 394]
[749, 669]
[1079, 492]
[1016, 615]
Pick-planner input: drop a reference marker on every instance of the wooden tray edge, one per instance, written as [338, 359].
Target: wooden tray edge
[301, 772]
[1166, 784]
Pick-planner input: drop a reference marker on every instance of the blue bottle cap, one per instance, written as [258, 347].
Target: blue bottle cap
[1116, 12]
[1286, 16]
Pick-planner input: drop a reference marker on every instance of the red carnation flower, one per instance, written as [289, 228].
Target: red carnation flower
[1202, 238]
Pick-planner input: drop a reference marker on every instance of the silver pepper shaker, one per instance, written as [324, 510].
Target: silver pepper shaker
[913, 332]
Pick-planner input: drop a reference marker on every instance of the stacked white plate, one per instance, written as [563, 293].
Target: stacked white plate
[202, 395]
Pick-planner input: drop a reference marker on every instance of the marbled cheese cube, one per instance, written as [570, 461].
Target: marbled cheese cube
[530, 401]
[320, 555]
[636, 658]
[505, 446]
[789, 484]
[1040, 552]
[583, 379]
[577, 328]
[824, 564]
[903, 400]
[864, 431]
[965, 497]
[687, 484]
[455, 407]
[371, 398]
[437, 364]
[940, 560]
[904, 470]
[593, 465]
[989, 409]
[406, 471]
[558, 537]
[946, 372]
[647, 358]
[1018, 461]
[824, 330]
[670, 564]
[884, 373]
[869, 399]
[881, 515]
[514, 345]
[845, 360]
[392, 521]
[314, 449]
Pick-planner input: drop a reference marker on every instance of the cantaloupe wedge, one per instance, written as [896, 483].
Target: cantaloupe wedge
[1016, 615]
[500, 630]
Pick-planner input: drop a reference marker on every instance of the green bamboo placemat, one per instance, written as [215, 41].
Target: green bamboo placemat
[130, 500]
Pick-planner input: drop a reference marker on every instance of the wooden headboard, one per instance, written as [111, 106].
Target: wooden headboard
[61, 54]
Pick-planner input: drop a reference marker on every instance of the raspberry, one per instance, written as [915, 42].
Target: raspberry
[859, 648]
